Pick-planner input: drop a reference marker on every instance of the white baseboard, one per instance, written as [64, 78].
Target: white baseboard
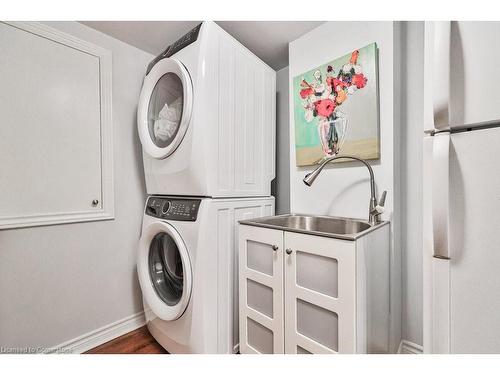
[408, 347]
[101, 335]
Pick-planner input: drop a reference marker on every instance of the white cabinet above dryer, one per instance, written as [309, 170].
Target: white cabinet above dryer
[302, 293]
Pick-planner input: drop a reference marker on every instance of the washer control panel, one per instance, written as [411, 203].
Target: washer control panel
[171, 208]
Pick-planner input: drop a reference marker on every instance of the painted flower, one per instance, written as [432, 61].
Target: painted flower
[329, 69]
[346, 77]
[341, 96]
[346, 69]
[325, 107]
[335, 82]
[359, 80]
[304, 93]
[354, 57]
[339, 83]
[319, 88]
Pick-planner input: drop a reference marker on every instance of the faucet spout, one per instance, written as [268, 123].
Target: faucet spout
[375, 208]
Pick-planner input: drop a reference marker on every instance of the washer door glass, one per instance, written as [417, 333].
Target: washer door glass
[166, 269]
[165, 109]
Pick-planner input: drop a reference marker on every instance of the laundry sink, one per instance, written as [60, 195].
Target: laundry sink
[327, 226]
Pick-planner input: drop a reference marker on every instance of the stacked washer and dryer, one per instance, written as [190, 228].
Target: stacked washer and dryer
[206, 120]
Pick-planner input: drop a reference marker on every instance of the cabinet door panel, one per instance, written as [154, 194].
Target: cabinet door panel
[261, 290]
[320, 294]
[55, 134]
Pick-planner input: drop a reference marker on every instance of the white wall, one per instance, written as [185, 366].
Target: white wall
[59, 282]
[343, 190]
[282, 143]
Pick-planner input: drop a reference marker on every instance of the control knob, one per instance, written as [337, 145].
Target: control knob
[165, 208]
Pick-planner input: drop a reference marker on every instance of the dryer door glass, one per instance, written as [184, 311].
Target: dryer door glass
[166, 269]
[165, 110]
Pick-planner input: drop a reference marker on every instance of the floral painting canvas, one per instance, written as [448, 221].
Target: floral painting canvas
[336, 108]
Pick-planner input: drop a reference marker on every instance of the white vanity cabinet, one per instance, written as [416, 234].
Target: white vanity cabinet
[303, 293]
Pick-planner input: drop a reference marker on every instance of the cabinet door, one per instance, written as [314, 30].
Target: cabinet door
[261, 290]
[319, 294]
[55, 129]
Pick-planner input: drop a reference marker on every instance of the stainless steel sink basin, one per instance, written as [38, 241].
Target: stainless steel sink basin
[318, 224]
[327, 226]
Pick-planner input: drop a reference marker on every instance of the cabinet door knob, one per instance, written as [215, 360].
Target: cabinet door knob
[288, 251]
[95, 202]
[275, 247]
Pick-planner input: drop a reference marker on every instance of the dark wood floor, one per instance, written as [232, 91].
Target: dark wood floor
[139, 341]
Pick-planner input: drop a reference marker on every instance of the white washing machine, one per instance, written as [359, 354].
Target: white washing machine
[207, 118]
[187, 269]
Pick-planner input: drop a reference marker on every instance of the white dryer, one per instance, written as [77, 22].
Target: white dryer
[206, 118]
[187, 270]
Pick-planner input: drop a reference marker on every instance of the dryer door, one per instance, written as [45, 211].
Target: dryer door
[164, 270]
[165, 107]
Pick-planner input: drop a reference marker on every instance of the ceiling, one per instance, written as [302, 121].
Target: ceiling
[267, 39]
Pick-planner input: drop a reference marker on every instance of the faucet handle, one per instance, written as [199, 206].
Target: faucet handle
[379, 208]
[381, 202]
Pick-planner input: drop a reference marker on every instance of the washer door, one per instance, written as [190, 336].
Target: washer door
[165, 107]
[164, 270]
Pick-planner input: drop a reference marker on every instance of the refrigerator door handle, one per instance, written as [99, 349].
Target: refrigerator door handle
[437, 74]
[440, 195]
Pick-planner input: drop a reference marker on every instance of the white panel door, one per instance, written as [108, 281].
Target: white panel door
[55, 129]
[320, 315]
[249, 122]
[228, 261]
[254, 123]
[474, 277]
[261, 290]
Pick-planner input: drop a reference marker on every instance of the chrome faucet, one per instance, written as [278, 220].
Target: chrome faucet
[376, 207]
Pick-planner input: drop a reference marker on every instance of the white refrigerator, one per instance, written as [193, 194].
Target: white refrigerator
[461, 187]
